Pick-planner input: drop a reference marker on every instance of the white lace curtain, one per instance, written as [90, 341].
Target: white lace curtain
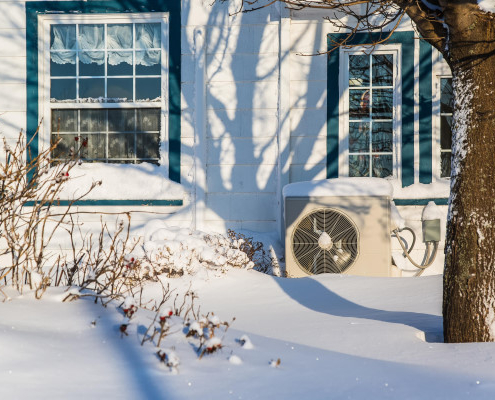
[91, 43]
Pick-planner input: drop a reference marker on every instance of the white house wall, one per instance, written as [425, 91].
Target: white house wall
[245, 129]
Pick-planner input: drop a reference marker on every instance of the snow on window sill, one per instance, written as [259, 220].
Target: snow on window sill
[122, 182]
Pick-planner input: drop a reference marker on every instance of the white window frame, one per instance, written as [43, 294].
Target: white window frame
[45, 106]
[396, 50]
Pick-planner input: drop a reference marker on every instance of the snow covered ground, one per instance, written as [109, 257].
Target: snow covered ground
[337, 337]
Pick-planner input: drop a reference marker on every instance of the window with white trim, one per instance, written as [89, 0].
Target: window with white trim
[369, 116]
[446, 110]
[104, 91]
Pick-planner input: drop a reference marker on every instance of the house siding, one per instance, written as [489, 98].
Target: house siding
[245, 130]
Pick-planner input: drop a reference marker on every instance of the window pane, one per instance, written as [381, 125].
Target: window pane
[64, 121]
[63, 63]
[93, 120]
[148, 119]
[382, 137]
[63, 89]
[92, 63]
[148, 89]
[148, 62]
[359, 134]
[383, 100]
[148, 36]
[91, 36]
[359, 165]
[91, 88]
[445, 164]
[359, 70]
[119, 36]
[121, 145]
[445, 132]
[359, 103]
[122, 120]
[382, 69]
[63, 37]
[382, 166]
[446, 96]
[119, 89]
[148, 145]
[64, 147]
[119, 63]
[95, 148]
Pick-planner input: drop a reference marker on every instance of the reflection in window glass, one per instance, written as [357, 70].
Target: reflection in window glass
[62, 89]
[382, 104]
[107, 135]
[371, 113]
[359, 70]
[382, 71]
[359, 103]
[359, 141]
[114, 64]
[446, 110]
[359, 165]
[100, 51]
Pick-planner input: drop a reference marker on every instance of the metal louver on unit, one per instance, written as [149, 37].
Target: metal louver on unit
[325, 240]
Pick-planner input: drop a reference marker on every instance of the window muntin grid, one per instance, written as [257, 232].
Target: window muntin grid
[371, 99]
[89, 63]
[108, 74]
[446, 110]
[115, 135]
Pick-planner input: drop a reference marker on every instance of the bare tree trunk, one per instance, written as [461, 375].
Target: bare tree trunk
[469, 278]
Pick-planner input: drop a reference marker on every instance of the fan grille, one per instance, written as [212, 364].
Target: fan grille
[325, 241]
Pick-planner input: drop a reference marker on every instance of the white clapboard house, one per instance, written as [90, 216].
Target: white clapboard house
[199, 115]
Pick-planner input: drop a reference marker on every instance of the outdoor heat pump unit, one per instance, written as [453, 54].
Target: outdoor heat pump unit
[338, 226]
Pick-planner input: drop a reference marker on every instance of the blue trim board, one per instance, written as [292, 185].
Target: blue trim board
[100, 203]
[173, 7]
[421, 202]
[425, 112]
[406, 39]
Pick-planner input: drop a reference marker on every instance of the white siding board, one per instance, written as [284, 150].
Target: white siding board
[230, 95]
[308, 94]
[308, 67]
[12, 15]
[12, 69]
[240, 207]
[13, 42]
[187, 96]
[242, 67]
[308, 122]
[308, 150]
[11, 124]
[307, 172]
[230, 151]
[252, 39]
[12, 97]
[241, 178]
[187, 70]
[243, 123]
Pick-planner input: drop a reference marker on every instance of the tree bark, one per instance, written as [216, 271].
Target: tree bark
[469, 276]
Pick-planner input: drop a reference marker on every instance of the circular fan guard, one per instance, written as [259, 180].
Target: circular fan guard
[325, 241]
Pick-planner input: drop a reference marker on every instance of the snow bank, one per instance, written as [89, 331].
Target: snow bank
[180, 251]
[122, 181]
[340, 187]
[438, 189]
[397, 221]
[431, 212]
[368, 187]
